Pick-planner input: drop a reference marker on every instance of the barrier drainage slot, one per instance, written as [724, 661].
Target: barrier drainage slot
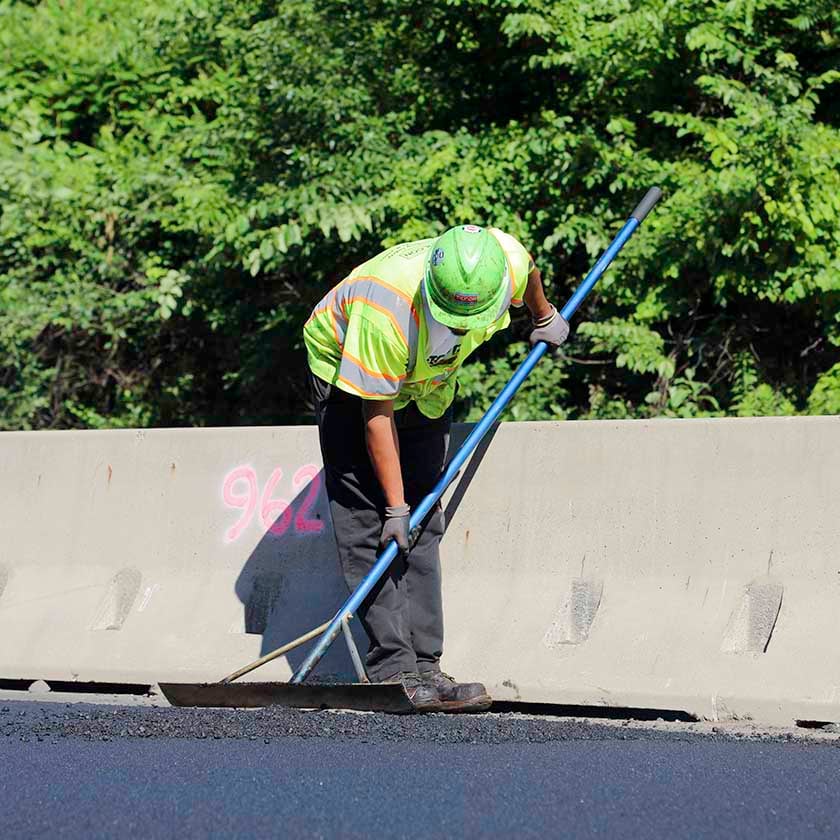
[573, 621]
[265, 590]
[99, 687]
[752, 623]
[118, 601]
[15, 685]
[74, 687]
[603, 712]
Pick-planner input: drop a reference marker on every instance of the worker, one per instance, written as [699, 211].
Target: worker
[384, 347]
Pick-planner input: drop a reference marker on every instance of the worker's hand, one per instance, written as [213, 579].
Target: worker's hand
[396, 527]
[552, 329]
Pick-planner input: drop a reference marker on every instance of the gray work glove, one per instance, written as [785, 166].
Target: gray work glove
[552, 329]
[396, 527]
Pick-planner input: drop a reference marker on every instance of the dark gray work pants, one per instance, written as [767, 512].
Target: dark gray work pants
[403, 615]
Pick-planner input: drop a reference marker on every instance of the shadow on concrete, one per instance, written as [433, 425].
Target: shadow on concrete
[292, 581]
[465, 479]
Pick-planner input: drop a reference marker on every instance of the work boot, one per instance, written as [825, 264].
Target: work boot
[457, 697]
[423, 696]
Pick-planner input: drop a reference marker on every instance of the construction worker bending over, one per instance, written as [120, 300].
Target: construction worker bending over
[384, 347]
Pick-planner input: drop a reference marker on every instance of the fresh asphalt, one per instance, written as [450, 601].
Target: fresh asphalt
[100, 771]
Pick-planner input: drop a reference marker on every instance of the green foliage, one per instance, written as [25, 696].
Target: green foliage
[181, 182]
[825, 398]
[539, 398]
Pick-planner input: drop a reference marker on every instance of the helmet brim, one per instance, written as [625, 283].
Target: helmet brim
[478, 321]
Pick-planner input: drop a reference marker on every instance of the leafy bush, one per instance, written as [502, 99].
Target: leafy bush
[181, 182]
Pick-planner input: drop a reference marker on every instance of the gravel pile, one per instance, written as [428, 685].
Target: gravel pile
[49, 721]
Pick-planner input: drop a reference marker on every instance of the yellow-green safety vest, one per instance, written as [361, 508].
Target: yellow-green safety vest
[372, 335]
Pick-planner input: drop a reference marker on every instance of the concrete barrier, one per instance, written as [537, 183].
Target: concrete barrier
[687, 565]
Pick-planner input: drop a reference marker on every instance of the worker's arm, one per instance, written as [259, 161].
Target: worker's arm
[383, 447]
[535, 298]
[549, 325]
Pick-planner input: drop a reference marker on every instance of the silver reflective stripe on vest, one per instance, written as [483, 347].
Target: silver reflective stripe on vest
[387, 298]
[337, 316]
[351, 372]
[413, 344]
[338, 322]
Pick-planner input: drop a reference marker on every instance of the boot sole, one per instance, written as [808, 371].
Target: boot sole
[476, 704]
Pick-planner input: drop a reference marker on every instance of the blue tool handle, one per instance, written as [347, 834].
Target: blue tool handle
[388, 555]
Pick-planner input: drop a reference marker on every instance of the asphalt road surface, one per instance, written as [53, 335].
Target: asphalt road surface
[96, 771]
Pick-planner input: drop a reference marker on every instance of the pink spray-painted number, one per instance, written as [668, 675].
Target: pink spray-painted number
[277, 525]
[308, 473]
[241, 491]
[247, 502]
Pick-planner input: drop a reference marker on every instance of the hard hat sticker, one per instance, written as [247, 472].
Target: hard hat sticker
[472, 229]
[437, 256]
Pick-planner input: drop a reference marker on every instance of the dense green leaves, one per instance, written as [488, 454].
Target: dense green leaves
[181, 181]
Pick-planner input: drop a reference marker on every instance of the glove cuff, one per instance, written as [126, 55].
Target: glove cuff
[397, 511]
[539, 323]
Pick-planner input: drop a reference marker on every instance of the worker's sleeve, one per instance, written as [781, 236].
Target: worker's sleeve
[373, 363]
[520, 264]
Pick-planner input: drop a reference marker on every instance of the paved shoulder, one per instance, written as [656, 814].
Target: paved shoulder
[82, 771]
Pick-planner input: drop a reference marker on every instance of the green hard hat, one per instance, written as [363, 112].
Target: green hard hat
[466, 278]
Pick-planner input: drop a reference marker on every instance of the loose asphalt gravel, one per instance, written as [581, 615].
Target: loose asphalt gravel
[80, 770]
